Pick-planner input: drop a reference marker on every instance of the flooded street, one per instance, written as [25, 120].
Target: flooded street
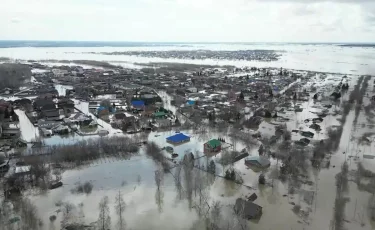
[183, 196]
[134, 178]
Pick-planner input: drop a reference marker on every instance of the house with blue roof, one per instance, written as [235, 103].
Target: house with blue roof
[190, 102]
[178, 138]
[138, 105]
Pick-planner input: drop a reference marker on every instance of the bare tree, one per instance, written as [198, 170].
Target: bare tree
[5, 212]
[159, 178]
[67, 210]
[159, 195]
[159, 199]
[188, 164]
[153, 150]
[120, 209]
[28, 214]
[81, 214]
[202, 205]
[104, 220]
[177, 180]
[12, 75]
[239, 221]
[215, 215]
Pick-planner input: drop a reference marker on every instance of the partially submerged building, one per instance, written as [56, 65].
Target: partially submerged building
[247, 209]
[258, 161]
[138, 105]
[213, 145]
[178, 138]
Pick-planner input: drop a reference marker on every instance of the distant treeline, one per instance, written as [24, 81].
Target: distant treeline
[172, 66]
[85, 62]
[12, 75]
[359, 45]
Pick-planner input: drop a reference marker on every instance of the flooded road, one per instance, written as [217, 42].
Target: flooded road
[169, 208]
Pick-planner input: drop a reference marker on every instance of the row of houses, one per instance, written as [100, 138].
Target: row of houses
[49, 109]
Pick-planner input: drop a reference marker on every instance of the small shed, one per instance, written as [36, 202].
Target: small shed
[45, 132]
[178, 138]
[213, 145]
[119, 116]
[190, 102]
[23, 169]
[315, 127]
[307, 134]
[247, 209]
[61, 129]
[252, 197]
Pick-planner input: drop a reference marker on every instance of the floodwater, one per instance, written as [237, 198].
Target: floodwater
[150, 208]
[324, 58]
[134, 179]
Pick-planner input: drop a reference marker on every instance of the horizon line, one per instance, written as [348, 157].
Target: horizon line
[188, 42]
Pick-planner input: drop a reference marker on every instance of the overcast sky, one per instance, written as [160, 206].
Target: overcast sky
[189, 20]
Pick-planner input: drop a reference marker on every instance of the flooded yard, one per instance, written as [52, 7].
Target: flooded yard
[181, 199]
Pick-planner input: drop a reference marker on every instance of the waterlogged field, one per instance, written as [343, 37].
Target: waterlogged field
[318, 57]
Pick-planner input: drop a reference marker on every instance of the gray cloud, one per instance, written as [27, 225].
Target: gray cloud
[370, 19]
[15, 20]
[369, 13]
[303, 11]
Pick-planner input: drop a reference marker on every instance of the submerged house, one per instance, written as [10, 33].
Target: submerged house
[47, 109]
[258, 161]
[43, 104]
[10, 133]
[163, 122]
[4, 165]
[45, 132]
[307, 134]
[64, 103]
[81, 119]
[303, 142]
[48, 124]
[51, 115]
[61, 129]
[118, 118]
[160, 115]
[213, 145]
[178, 138]
[247, 209]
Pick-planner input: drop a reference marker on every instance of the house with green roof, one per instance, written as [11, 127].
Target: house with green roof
[213, 145]
[160, 114]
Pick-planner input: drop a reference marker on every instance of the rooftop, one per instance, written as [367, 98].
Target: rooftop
[160, 114]
[261, 160]
[214, 143]
[179, 137]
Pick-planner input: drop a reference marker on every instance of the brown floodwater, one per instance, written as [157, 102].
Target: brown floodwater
[148, 208]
